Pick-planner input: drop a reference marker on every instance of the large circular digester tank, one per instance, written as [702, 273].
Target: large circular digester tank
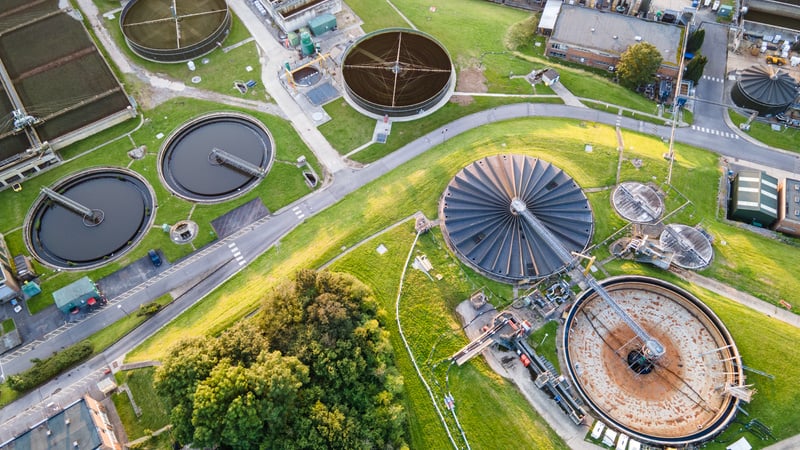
[481, 228]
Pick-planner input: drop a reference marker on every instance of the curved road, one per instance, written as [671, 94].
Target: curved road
[210, 267]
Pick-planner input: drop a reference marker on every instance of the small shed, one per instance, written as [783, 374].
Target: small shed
[548, 20]
[76, 296]
[322, 23]
[754, 198]
[550, 77]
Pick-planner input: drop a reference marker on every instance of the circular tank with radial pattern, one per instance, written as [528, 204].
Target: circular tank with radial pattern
[684, 397]
[766, 89]
[480, 227]
[172, 31]
[397, 73]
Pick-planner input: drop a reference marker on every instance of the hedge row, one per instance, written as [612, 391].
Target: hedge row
[47, 369]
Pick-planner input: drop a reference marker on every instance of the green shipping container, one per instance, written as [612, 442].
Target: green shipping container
[306, 44]
[321, 24]
[294, 39]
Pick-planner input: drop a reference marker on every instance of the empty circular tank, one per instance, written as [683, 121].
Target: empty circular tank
[397, 73]
[480, 227]
[174, 31]
[60, 237]
[187, 165]
[691, 247]
[637, 202]
[686, 397]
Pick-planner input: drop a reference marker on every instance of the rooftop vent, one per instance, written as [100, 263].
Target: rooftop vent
[636, 38]
[615, 37]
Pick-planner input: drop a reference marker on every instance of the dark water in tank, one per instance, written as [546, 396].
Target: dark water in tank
[62, 234]
[187, 157]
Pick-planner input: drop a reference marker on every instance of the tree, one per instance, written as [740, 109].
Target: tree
[694, 70]
[638, 64]
[314, 370]
[695, 40]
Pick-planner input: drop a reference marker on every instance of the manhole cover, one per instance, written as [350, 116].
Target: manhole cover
[196, 80]
[317, 116]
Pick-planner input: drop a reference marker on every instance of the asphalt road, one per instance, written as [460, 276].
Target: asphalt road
[208, 268]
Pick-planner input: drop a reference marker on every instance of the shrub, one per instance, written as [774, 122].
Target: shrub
[46, 369]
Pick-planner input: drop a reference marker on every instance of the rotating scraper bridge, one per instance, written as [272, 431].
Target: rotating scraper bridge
[518, 219]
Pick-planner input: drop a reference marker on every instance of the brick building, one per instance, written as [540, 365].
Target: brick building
[597, 38]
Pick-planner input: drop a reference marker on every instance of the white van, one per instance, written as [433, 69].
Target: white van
[716, 6]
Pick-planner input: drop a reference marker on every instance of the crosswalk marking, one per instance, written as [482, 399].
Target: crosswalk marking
[726, 134]
[299, 213]
[714, 79]
[237, 253]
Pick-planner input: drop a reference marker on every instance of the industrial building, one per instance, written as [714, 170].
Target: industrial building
[598, 39]
[81, 425]
[291, 15]
[788, 207]
[77, 296]
[754, 198]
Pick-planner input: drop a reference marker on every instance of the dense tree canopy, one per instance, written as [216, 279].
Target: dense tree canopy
[638, 64]
[695, 40]
[315, 370]
[695, 68]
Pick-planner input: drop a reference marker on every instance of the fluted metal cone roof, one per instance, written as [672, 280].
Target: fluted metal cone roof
[483, 231]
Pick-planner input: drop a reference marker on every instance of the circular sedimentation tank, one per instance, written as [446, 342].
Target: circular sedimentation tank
[307, 76]
[189, 169]
[481, 227]
[692, 248]
[173, 31]
[685, 396]
[122, 206]
[400, 73]
[637, 202]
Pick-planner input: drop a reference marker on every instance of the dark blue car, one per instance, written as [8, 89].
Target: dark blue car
[154, 258]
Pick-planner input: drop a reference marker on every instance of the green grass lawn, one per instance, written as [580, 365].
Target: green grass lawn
[154, 413]
[787, 138]
[433, 332]
[543, 341]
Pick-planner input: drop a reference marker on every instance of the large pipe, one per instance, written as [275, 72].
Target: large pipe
[223, 157]
[90, 216]
[652, 348]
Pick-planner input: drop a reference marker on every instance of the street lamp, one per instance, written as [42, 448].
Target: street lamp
[119, 306]
[671, 154]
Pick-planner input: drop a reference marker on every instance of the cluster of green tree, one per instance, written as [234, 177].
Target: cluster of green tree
[314, 370]
[696, 66]
[521, 34]
[44, 370]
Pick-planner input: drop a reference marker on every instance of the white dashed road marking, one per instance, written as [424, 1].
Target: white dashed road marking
[297, 212]
[237, 253]
[726, 134]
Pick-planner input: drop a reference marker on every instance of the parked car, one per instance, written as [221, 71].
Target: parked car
[154, 258]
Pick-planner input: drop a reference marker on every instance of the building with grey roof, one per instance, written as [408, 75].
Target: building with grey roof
[788, 207]
[289, 15]
[597, 38]
[81, 425]
[754, 198]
